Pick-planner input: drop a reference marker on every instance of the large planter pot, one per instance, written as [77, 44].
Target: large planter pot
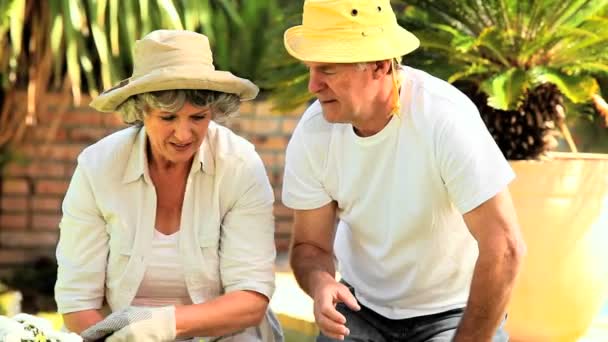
[562, 204]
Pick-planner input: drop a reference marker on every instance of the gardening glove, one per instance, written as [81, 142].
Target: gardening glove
[106, 327]
[147, 324]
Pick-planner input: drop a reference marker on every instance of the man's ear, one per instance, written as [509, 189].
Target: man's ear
[381, 68]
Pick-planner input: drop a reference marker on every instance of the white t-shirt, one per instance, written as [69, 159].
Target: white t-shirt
[401, 241]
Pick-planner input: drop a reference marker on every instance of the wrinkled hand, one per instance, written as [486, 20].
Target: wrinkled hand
[154, 324]
[331, 322]
[147, 324]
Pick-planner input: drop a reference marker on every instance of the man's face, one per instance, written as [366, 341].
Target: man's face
[345, 91]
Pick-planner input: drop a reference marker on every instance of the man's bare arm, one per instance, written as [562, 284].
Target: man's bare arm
[312, 262]
[501, 249]
[311, 256]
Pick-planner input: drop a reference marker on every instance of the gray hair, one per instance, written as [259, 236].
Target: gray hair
[396, 63]
[222, 105]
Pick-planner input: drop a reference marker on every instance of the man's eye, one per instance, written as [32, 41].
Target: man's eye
[167, 118]
[199, 117]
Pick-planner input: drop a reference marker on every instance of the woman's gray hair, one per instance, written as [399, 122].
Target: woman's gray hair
[222, 105]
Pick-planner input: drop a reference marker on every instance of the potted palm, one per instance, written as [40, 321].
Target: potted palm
[525, 64]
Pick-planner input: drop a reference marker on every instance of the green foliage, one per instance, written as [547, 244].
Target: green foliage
[92, 40]
[507, 47]
[84, 46]
[283, 75]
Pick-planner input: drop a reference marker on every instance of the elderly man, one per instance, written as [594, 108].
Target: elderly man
[427, 243]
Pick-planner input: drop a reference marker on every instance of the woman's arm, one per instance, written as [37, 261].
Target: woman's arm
[226, 314]
[81, 256]
[246, 256]
[80, 320]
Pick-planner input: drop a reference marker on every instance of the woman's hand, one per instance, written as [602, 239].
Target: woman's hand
[135, 324]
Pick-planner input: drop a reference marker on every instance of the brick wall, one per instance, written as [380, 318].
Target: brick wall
[32, 192]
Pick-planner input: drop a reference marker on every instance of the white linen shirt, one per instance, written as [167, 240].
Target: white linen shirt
[109, 210]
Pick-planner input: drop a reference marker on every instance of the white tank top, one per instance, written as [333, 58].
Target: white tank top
[164, 282]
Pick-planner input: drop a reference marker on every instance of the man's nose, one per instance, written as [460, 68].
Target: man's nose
[315, 82]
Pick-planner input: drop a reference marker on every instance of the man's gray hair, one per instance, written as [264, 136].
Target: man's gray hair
[396, 63]
[222, 105]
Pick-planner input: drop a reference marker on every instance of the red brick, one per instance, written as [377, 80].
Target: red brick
[277, 193]
[14, 186]
[113, 120]
[46, 203]
[274, 177]
[247, 108]
[13, 203]
[15, 169]
[45, 222]
[242, 125]
[65, 152]
[268, 158]
[264, 108]
[282, 243]
[284, 227]
[282, 212]
[46, 169]
[270, 143]
[36, 239]
[260, 126]
[46, 136]
[87, 135]
[289, 125]
[14, 256]
[13, 221]
[83, 118]
[281, 159]
[296, 112]
[56, 187]
[69, 169]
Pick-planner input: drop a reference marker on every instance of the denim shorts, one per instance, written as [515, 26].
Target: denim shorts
[367, 325]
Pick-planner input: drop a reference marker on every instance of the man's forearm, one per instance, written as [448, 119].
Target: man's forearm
[491, 288]
[310, 265]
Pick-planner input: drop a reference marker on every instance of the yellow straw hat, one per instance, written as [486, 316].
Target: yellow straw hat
[348, 31]
[173, 59]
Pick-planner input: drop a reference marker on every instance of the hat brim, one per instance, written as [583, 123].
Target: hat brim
[309, 46]
[175, 78]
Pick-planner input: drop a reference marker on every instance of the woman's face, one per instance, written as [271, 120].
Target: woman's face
[176, 137]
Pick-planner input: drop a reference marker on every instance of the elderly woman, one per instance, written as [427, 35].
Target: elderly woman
[169, 221]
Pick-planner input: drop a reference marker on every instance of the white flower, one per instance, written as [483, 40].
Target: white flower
[26, 328]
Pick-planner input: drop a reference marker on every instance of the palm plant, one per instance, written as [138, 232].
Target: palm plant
[520, 61]
[81, 46]
[283, 75]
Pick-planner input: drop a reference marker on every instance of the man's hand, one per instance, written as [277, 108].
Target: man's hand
[331, 322]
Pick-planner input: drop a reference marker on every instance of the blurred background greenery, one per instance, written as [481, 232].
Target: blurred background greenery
[521, 62]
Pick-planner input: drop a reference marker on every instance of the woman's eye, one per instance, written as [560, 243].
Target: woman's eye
[199, 117]
[167, 118]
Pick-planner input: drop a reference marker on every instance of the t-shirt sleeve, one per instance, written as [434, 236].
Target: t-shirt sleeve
[302, 183]
[472, 166]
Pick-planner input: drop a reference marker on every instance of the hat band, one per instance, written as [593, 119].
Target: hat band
[344, 32]
[171, 59]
